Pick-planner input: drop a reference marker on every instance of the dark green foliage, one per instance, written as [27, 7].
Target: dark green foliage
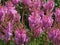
[2, 42]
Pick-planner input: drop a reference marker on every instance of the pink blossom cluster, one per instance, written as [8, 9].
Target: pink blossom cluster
[10, 22]
[57, 15]
[54, 35]
[35, 24]
[40, 19]
[21, 37]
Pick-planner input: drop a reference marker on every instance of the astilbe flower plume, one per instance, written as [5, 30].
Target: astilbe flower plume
[41, 13]
[54, 35]
[49, 5]
[16, 1]
[47, 21]
[37, 32]
[33, 3]
[17, 17]
[20, 37]
[27, 2]
[35, 23]
[8, 9]
[8, 16]
[57, 15]
[11, 13]
[2, 12]
[8, 32]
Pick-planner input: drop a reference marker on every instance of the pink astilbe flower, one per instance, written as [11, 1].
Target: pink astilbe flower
[8, 32]
[21, 37]
[9, 4]
[3, 11]
[16, 1]
[11, 8]
[17, 17]
[7, 9]
[10, 11]
[35, 24]
[47, 21]
[54, 35]
[27, 2]
[35, 3]
[57, 14]
[41, 13]
[35, 21]
[49, 5]
[37, 32]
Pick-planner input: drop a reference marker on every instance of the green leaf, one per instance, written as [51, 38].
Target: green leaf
[2, 42]
[11, 43]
